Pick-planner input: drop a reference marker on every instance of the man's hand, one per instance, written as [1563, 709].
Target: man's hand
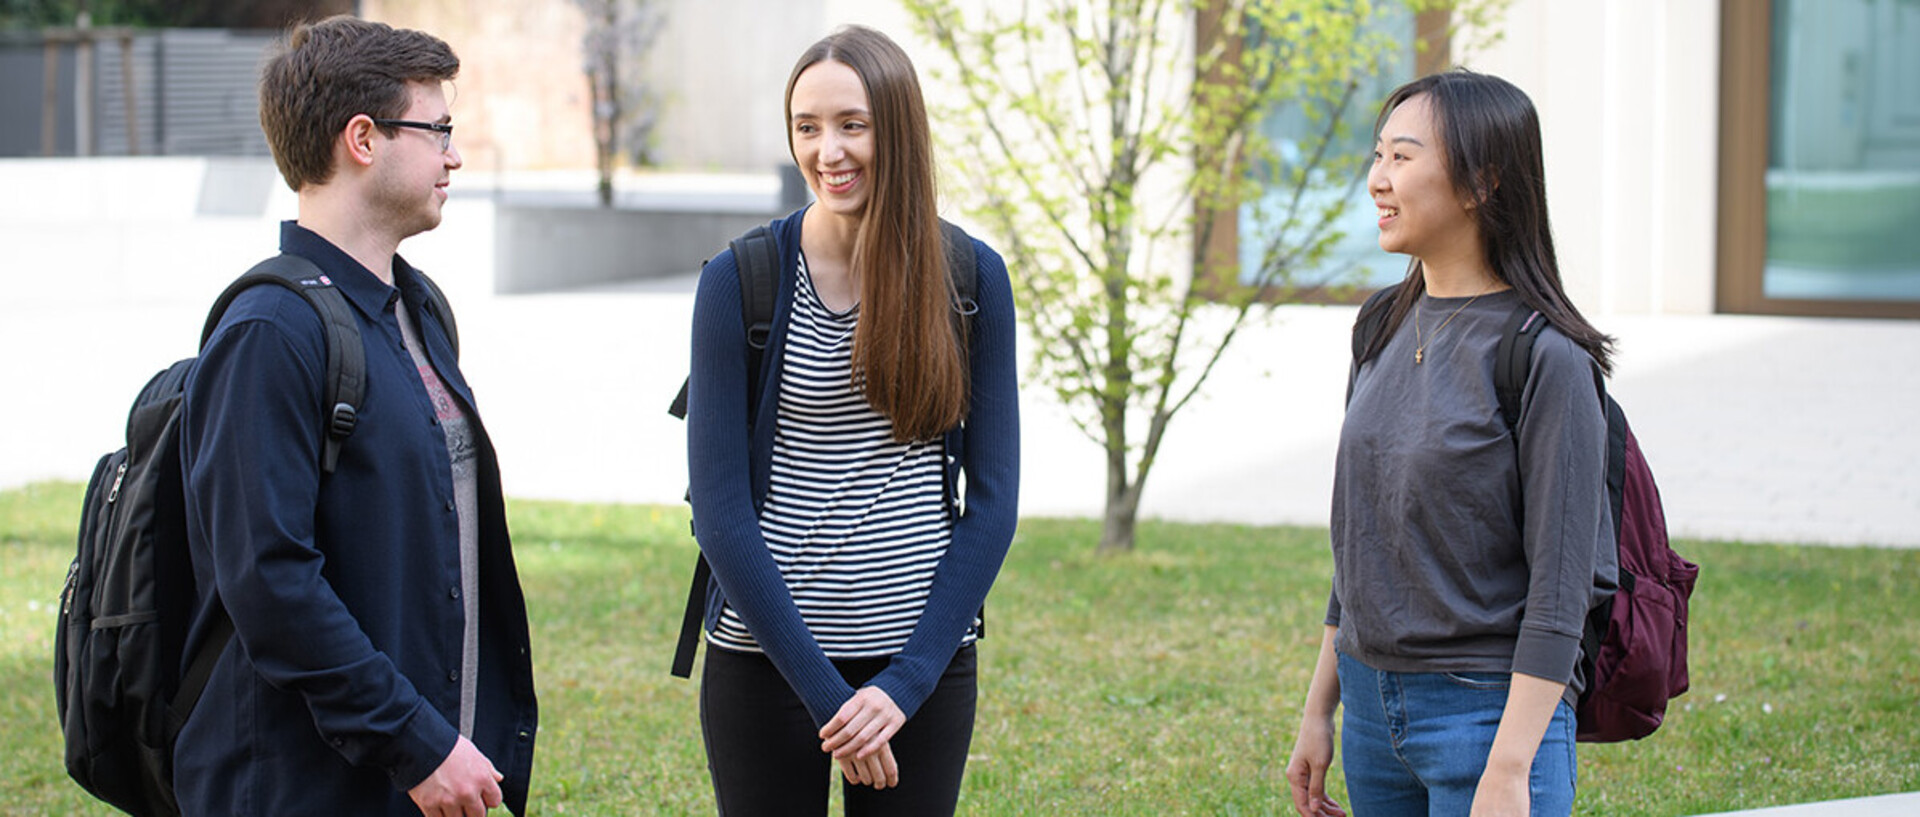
[465, 784]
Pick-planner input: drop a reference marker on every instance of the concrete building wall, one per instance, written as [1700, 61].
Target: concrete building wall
[720, 67]
[521, 99]
[1628, 93]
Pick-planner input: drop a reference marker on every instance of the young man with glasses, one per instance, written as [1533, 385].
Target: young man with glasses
[379, 662]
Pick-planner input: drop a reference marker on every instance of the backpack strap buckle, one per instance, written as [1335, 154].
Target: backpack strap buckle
[340, 424]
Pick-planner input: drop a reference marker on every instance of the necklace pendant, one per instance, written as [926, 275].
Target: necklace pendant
[1419, 355]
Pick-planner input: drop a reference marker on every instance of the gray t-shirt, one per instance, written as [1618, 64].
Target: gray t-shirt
[463, 459]
[1457, 548]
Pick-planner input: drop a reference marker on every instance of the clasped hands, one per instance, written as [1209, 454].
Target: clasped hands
[858, 736]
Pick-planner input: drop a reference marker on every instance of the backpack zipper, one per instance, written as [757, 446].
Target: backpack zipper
[66, 594]
[118, 476]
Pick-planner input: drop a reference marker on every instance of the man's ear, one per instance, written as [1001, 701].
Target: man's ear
[355, 143]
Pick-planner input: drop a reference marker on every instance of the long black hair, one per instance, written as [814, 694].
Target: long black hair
[1491, 135]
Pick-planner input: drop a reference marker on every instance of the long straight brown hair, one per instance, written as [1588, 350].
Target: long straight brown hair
[1491, 134]
[908, 359]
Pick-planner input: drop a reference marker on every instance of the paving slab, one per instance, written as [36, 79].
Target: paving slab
[1887, 805]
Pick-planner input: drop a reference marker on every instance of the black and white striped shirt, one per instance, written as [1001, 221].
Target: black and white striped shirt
[855, 520]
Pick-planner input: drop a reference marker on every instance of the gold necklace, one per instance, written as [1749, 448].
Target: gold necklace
[1420, 346]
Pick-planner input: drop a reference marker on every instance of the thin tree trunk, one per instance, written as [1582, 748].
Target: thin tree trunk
[1123, 511]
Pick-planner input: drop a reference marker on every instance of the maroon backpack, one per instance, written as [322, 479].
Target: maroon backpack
[1634, 650]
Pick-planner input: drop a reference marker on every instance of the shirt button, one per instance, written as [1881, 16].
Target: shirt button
[453, 592]
[453, 675]
[449, 504]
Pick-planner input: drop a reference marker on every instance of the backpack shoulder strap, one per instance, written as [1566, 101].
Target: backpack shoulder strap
[1367, 325]
[756, 261]
[1513, 359]
[754, 254]
[962, 267]
[346, 379]
[441, 310]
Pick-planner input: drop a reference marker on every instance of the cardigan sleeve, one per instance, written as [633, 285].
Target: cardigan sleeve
[991, 461]
[726, 517]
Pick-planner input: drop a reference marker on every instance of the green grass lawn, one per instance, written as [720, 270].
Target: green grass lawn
[1163, 682]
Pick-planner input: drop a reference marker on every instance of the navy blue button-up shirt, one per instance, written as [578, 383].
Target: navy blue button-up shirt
[341, 690]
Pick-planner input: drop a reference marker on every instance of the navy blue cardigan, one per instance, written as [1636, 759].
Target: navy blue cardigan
[729, 464]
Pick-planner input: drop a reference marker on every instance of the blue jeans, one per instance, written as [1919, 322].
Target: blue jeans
[1415, 743]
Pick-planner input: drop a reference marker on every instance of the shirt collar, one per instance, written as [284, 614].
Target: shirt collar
[363, 289]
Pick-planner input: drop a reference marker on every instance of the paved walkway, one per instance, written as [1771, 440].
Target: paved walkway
[1891, 805]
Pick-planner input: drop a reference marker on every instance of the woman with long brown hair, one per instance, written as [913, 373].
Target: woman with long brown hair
[855, 495]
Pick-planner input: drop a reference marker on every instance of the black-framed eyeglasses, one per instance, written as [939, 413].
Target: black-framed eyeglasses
[445, 131]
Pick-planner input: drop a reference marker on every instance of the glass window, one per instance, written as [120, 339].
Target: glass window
[1355, 258]
[1843, 165]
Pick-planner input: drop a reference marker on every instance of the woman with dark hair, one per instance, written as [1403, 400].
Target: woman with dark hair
[850, 558]
[1467, 553]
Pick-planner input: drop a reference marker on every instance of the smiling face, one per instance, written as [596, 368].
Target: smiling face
[412, 175]
[1421, 212]
[830, 125]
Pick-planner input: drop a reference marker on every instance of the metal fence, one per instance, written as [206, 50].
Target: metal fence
[121, 92]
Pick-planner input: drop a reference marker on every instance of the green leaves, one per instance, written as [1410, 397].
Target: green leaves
[1102, 142]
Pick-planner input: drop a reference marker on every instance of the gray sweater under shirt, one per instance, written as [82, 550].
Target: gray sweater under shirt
[1456, 549]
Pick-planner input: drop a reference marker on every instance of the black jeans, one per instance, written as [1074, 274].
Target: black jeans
[763, 749]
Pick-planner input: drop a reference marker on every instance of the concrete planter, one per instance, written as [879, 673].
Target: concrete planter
[666, 227]
[539, 247]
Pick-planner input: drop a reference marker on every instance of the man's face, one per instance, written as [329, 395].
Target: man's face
[411, 171]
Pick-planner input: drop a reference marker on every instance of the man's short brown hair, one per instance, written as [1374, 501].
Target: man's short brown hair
[325, 73]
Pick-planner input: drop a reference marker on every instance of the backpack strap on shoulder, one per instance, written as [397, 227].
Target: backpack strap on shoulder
[756, 261]
[962, 267]
[441, 310]
[1514, 358]
[1371, 319]
[346, 378]
[756, 264]
[754, 255]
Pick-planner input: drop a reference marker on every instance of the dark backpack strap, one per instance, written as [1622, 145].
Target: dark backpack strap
[759, 273]
[346, 379]
[1367, 325]
[753, 255]
[756, 261]
[691, 620]
[1617, 434]
[962, 268]
[194, 681]
[1514, 358]
[441, 310]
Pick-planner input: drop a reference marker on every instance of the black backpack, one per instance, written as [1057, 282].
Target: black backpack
[755, 253]
[130, 591]
[1634, 646]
